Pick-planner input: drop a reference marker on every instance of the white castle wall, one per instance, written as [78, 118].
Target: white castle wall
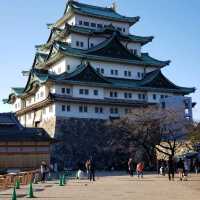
[73, 62]
[79, 18]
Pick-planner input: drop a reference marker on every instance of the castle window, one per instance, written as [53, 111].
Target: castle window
[111, 71]
[68, 90]
[81, 91]
[98, 110]
[135, 52]
[83, 109]
[114, 110]
[63, 90]
[93, 25]
[80, 22]
[68, 108]
[129, 73]
[86, 23]
[113, 94]
[162, 96]
[139, 75]
[116, 72]
[127, 95]
[125, 73]
[96, 92]
[99, 26]
[124, 30]
[80, 108]
[139, 96]
[91, 44]
[68, 67]
[143, 96]
[98, 70]
[86, 91]
[77, 43]
[82, 44]
[102, 70]
[119, 29]
[154, 96]
[63, 108]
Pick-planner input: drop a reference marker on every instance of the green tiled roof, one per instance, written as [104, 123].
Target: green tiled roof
[17, 90]
[110, 50]
[97, 11]
[57, 34]
[86, 75]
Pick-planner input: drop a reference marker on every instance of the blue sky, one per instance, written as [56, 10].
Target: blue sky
[174, 23]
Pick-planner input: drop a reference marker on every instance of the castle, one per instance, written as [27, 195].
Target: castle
[92, 69]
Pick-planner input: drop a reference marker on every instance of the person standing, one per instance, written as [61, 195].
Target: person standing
[180, 167]
[87, 168]
[196, 166]
[130, 166]
[91, 167]
[171, 169]
[140, 169]
[186, 169]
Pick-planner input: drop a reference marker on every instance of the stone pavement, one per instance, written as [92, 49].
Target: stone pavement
[114, 186]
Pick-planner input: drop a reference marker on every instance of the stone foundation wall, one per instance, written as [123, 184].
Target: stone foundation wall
[79, 139]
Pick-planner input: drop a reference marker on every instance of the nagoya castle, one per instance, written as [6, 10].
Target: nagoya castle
[91, 69]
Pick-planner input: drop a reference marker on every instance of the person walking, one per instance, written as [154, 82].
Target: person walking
[130, 166]
[140, 169]
[180, 167]
[91, 167]
[43, 171]
[171, 169]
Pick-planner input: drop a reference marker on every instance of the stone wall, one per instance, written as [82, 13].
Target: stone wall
[82, 138]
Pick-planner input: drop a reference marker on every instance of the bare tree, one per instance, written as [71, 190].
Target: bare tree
[152, 129]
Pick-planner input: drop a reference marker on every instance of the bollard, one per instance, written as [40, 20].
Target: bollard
[30, 191]
[14, 195]
[60, 181]
[63, 180]
[17, 184]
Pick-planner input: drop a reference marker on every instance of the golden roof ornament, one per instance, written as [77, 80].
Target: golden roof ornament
[114, 6]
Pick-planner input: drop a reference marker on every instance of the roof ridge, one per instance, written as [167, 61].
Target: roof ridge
[92, 6]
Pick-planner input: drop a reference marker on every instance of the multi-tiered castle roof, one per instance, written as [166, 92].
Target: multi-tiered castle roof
[112, 48]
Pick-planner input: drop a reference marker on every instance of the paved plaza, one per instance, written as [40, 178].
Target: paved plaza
[115, 186]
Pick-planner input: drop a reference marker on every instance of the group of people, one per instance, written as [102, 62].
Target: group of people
[182, 167]
[90, 170]
[139, 168]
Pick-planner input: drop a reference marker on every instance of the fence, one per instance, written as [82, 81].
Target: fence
[9, 180]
